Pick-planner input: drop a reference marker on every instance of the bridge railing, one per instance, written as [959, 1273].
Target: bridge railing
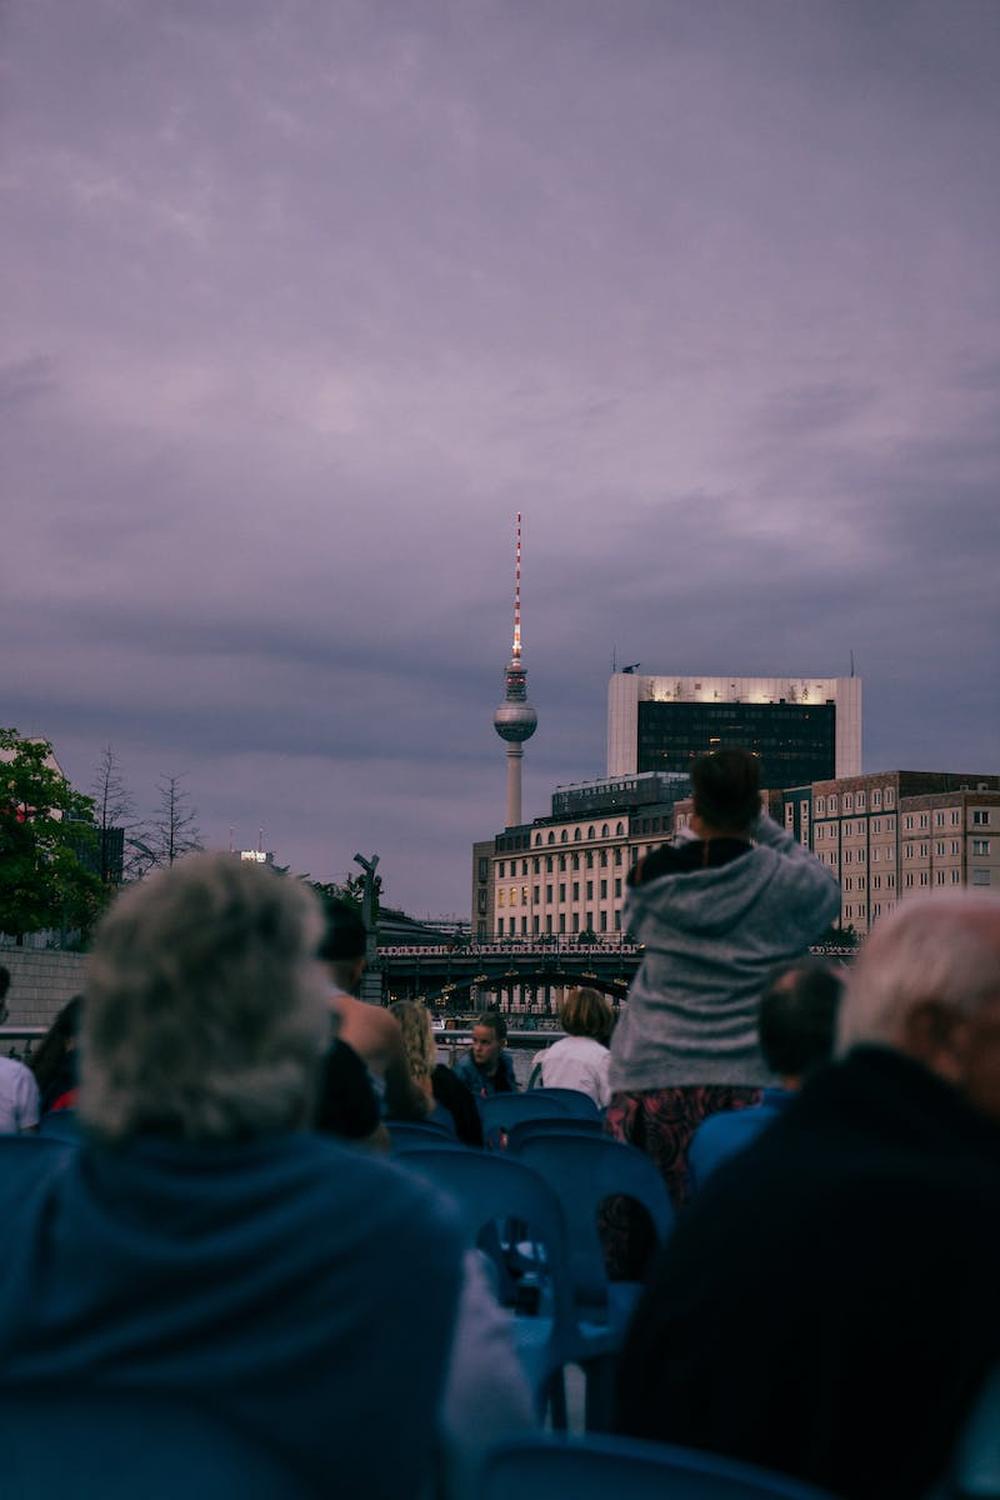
[564, 947]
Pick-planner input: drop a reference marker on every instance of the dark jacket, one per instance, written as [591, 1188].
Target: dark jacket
[287, 1284]
[830, 1305]
[480, 1084]
[454, 1096]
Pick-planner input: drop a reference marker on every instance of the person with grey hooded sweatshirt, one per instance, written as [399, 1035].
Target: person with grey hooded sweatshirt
[716, 915]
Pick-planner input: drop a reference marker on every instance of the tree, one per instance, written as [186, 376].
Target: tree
[174, 829]
[47, 842]
[119, 853]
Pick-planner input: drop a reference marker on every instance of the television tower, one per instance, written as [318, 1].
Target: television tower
[515, 720]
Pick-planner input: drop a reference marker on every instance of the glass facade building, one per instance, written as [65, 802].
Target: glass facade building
[796, 742]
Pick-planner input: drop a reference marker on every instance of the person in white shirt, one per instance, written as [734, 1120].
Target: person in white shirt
[19, 1102]
[581, 1060]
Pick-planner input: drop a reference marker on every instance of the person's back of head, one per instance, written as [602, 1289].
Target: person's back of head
[205, 1015]
[50, 1058]
[418, 1038]
[927, 983]
[725, 787]
[797, 1019]
[586, 1012]
[343, 946]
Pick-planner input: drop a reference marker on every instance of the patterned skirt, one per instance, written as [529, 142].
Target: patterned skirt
[660, 1122]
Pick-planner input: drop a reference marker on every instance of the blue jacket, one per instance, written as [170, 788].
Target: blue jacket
[723, 1135]
[480, 1083]
[298, 1288]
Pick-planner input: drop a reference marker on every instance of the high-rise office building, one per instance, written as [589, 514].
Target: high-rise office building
[803, 728]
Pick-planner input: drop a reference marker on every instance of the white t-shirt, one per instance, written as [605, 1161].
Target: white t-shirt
[20, 1105]
[578, 1062]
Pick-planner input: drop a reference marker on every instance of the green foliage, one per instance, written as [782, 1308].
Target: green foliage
[46, 838]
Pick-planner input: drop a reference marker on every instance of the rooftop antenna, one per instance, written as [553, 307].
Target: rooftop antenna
[260, 840]
[852, 663]
[614, 660]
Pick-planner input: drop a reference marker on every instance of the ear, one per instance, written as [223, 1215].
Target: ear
[933, 1034]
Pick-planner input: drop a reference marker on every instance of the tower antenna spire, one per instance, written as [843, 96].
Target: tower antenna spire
[516, 653]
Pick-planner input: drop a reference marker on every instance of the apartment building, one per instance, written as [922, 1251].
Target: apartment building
[564, 874]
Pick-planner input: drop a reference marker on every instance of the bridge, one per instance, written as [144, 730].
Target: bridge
[512, 975]
[515, 975]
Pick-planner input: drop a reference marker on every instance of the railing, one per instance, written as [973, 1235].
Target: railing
[9, 1035]
[510, 947]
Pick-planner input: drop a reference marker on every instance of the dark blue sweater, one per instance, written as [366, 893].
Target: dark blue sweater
[301, 1290]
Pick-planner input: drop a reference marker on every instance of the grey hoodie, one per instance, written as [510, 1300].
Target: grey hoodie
[712, 938]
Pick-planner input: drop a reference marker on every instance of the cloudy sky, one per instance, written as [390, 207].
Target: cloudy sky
[303, 299]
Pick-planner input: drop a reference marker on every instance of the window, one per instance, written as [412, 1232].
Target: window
[548, 926]
[604, 830]
[618, 858]
[604, 921]
[538, 839]
[877, 825]
[890, 825]
[619, 830]
[980, 877]
[939, 874]
[524, 867]
[548, 893]
[618, 888]
[907, 851]
[925, 820]
[536, 925]
[502, 868]
[820, 806]
[875, 856]
[575, 862]
[849, 884]
[956, 876]
[512, 898]
[848, 856]
[501, 897]
[604, 859]
[981, 819]
[618, 921]
[577, 835]
[562, 891]
[590, 890]
[890, 796]
[848, 802]
[939, 848]
[590, 860]
[859, 802]
[604, 890]
[576, 921]
[831, 806]
[908, 821]
[876, 882]
[877, 797]
[548, 864]
[980, 846]
[499, 926]
[524, 927]
[562, 922]
[925, 878]
[956, 847]
[576, 890]
[939, 820]
[564, 837]
[524, 895]
[590, 831]
[890, 880]
[924, 850]
[536, 866]
[551, 839]
[909, 878]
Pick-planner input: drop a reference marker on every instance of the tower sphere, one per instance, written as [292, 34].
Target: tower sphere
[515, 721]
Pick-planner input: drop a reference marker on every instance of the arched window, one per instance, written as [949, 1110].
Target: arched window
[551, 838]
[576, 835]
[604, 830]
[538, 839]
[590, 831]
[619, 829]
[564, 837]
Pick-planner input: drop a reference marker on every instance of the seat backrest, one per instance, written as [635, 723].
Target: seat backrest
[595, 1467]
[121, 1446]
[584, 1170]
[60, 1125]
[411, 1135]
[577, 1103]
[556, 1125]
[488, 1187]
[501, 1111]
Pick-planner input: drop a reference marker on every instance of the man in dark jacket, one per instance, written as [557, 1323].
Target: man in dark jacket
[488, 1069]
[830, 1306]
